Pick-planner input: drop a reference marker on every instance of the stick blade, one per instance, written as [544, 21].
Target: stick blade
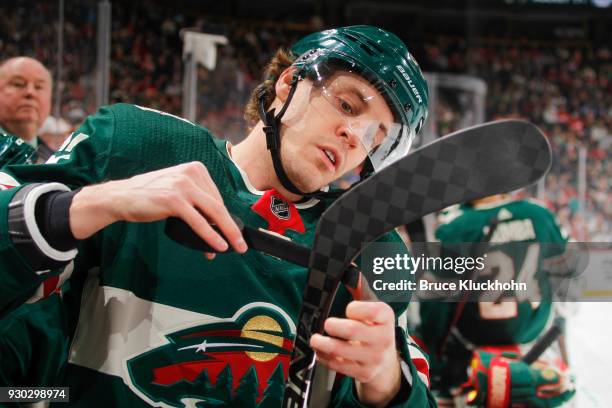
[483, 160]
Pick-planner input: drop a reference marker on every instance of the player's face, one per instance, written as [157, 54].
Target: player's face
[328, 130]
[25, 96]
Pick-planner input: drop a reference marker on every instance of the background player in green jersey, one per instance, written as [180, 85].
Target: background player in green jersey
[523, 237]
[151, 322]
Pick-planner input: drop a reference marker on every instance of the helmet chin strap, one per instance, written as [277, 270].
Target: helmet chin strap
[272, 126]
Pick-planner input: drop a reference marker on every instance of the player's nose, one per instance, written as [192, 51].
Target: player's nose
[348, 135]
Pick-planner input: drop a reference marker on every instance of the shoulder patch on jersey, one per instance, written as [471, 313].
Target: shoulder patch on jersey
[73, 141]
[63, 153]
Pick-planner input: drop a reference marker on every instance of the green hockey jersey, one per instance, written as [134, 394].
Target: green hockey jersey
[151, 322]
[13, 150]
[526, 234]
[40, 324]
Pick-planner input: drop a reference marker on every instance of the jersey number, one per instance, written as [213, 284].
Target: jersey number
[501, 266]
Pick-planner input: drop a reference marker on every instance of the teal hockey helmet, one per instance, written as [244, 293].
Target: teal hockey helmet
[361, 71]
[383, 60]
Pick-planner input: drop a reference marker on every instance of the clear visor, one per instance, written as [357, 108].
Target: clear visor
[360, 110]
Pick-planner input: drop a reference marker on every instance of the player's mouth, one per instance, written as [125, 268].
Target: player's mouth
[331, 158]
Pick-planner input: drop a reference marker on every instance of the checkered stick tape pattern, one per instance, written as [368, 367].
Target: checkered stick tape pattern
[488, 159]
[472, 163]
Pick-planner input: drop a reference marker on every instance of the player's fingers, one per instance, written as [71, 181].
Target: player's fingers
[354, 330]
[201, 226]
[370, 312]
[218, 214]
[347, 350]
[210, 255]
[349, 368]
[197, 173]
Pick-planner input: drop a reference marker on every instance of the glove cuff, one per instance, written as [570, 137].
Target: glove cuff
[498, 384]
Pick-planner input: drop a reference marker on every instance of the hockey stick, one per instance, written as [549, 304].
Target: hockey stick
[416, 230]
[472, 276]
[472, 163]
[552, 334]
[271, 244]
[476, 162]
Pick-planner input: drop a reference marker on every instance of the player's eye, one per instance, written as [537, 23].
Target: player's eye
[346, 107]
[18, 84]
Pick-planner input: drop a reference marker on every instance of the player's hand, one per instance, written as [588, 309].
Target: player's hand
[500, 379]
[362, 346]
[186, 191]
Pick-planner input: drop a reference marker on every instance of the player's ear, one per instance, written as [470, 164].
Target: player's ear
[283, 84]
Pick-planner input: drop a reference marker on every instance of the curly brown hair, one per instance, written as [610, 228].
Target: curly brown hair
[281, 61]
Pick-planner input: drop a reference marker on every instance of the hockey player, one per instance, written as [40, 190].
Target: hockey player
[151, 322]
[484, 339]
[40, 324]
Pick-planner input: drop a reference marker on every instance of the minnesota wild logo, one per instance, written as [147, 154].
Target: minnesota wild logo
[238, 362]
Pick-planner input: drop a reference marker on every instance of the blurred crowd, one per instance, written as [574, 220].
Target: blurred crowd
[566, 89]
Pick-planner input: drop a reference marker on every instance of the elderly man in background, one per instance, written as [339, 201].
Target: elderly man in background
[25, 101]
